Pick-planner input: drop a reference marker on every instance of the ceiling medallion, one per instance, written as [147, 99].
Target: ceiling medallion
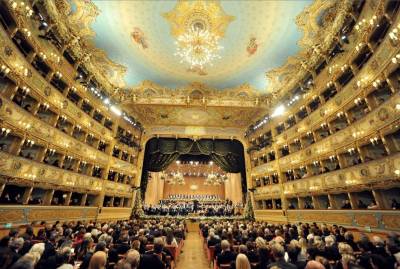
[197, 27]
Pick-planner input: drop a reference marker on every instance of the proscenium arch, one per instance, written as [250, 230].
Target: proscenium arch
[230, 153]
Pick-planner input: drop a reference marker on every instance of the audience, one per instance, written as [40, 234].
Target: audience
[260, 245]
[239, 244]
[94, 245]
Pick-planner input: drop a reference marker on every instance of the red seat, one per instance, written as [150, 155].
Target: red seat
[174, 251]
[210, 254]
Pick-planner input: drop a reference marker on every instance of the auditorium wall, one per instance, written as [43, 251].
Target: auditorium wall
[155, 189]
[233, 188]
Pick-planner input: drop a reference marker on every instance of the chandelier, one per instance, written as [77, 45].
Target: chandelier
[214, 178]
[198, 47]
[173, 177]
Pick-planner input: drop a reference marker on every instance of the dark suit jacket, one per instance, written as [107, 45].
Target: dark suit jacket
[152, 261]
[283, 265]
[226, 257]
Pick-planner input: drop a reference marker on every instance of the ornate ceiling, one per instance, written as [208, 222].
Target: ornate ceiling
[256, 37]
[131, 46]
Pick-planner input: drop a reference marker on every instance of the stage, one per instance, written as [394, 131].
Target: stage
[192, 217]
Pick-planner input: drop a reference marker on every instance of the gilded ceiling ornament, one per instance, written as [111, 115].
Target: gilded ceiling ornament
[205, 15]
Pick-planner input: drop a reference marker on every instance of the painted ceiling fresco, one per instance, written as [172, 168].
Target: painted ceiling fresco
[257, 36]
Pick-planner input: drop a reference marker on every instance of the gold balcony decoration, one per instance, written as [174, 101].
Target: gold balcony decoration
[197, 27]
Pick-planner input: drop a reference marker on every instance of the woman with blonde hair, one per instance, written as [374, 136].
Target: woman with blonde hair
[242, 262]
[98, 260]
[347, 256]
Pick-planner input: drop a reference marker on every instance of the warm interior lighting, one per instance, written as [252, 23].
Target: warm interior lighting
[278, 111]
[116, 110]
[198, 47]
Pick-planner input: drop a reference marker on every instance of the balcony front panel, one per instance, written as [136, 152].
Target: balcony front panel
[42, 88]
[383, 172]
[21, 170]
[270, 191]
[377, 119]
[18, 214]
[19, 119]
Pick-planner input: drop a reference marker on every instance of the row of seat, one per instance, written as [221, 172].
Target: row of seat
[212, 257]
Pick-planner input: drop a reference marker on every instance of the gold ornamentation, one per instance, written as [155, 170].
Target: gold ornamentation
[383, 114]
[366, 220]
[206, 15]
[391, 221]
[8, 51]
[47, 91]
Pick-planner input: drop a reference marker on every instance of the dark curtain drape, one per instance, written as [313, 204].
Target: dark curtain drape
[161, 152]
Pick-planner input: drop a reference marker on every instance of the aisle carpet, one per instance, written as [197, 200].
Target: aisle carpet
[193, 255]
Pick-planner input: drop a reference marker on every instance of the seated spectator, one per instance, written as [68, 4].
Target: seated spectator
[170, 238]
[278, 254]
[98, 260]
[213, 239]
[226, 256]
[373, 205]
[242, 262]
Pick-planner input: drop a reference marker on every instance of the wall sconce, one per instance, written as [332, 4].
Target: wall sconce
[359, 46]
[376, 83]
[25, 90]
[58, 74]
[396, 59]
[26, 32]
[4, 131]
[351, 151]
[361, 25]
[358, 101]
[4, 70]
[344, 67]
[42, 56]
[394, 35]
[373, 20]
[29, 143]
[374, 141]
[21, 8]
[45, 106]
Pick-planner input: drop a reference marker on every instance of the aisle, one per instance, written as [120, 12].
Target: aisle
[193, 255]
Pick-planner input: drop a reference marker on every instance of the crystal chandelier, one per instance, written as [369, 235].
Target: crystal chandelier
[175, 178]
[198, 47]
[214, 178]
